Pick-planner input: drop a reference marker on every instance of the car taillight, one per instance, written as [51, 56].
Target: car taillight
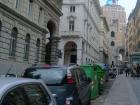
[70, 80]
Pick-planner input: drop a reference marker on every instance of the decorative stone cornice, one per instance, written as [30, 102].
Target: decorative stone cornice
[53, 7]
[97, 4]
[71, 17]
[105, 22]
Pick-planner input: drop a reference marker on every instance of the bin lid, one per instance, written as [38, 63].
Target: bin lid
[103, 66]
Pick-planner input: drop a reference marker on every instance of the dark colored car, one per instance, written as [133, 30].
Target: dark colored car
[69, 83]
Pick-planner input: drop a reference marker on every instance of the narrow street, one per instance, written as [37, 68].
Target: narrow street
[61, 52]
[124, 91]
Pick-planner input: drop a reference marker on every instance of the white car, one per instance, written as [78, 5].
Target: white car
[19, 91]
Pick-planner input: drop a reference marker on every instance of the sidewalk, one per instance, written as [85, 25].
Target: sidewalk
[124, 91]
[100, 100]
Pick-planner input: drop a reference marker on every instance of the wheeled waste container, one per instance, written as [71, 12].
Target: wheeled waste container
[100, 77]
[92, 74]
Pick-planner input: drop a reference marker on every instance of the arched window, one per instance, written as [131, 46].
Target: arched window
[112, 43]
[112, 34]
[30, 8]
[27, 46]
[0, 26]
[13, 41]
[71, 25]
[37, 50]
[40, 14]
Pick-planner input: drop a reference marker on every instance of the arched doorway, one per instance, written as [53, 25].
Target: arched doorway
[70, 53]
[51, 28]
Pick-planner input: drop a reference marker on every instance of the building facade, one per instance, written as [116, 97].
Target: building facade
[80, 31]
[116, 18]
[133, 31]
[104, 41]
[29, 33]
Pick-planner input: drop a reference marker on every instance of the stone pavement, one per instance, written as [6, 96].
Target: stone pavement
[125, 91]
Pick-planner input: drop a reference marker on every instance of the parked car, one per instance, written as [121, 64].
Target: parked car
[69, 83]
[19, 91]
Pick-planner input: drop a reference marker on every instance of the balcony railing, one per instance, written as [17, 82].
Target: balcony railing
[70, 33]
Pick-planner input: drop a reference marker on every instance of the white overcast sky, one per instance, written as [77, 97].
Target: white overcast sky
[129, 5]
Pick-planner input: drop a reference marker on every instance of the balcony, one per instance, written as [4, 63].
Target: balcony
[73, 34]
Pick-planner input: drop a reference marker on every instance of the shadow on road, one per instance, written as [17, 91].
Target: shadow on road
[100, 100]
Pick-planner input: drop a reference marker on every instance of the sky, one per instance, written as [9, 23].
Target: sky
[129, 5]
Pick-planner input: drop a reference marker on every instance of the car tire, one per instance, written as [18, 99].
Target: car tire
[88, 102]
[79, 102]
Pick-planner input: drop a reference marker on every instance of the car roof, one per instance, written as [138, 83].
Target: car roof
[8, 82]
[55, 66]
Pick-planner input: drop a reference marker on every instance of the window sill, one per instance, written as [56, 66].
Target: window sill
[26, 60]
[12, 58]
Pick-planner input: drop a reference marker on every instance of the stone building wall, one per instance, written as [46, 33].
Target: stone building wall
[15, 14]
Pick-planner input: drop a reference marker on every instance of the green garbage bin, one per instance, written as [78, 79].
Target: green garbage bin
[100, 77]
[92, 74]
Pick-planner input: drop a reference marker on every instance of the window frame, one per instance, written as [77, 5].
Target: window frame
[40, 14]
[27, 46]
[13, 42]
[37, 50]
[30, 8]
[0, 27]
[17, 3]
[72, 8]
[112, 43]
[71, 25]
[112, 34]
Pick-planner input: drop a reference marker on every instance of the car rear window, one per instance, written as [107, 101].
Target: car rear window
[49, 75]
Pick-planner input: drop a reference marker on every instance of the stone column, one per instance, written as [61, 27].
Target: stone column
[79, 56]
[54, 50]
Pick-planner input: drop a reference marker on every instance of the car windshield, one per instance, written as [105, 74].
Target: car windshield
[49, 75]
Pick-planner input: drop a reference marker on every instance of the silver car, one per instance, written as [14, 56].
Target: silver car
[19, 91]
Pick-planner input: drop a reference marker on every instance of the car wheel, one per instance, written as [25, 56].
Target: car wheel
[88, 102]
[89, 99]
[79, 102]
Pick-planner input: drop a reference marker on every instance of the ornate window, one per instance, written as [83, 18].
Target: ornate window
[112, 34]
[13, 42]
[27, 46]
[112, 43]
[40, 14]
[72, 8]
[71, 25]
[30, 8]
[37, 50]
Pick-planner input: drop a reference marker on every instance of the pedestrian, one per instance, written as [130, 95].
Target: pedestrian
[138, 70]
[134, 71]
[126, 71]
